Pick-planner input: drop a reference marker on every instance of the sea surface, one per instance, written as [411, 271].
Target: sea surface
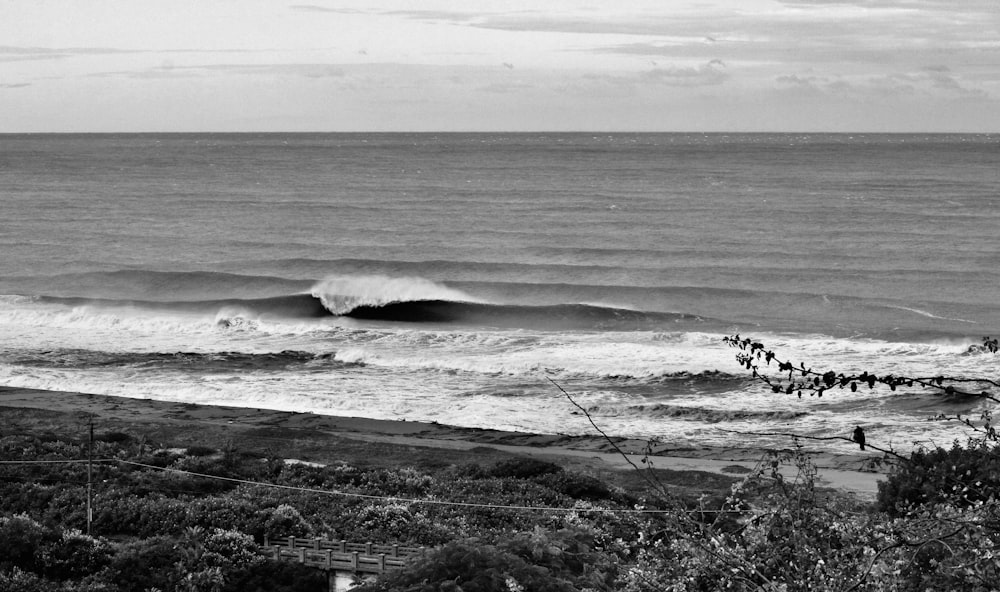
[459, 278]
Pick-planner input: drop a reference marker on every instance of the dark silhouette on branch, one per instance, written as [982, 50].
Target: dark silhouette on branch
[859, 437]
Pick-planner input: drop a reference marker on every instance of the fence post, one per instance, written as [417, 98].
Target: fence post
[327, 559]
[302, 555]
[291, 542]
[381, 562]
[395, 550]
[316, 544]
[368, 548]
[343, 545]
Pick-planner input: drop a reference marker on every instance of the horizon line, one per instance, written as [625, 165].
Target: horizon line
[505, 132]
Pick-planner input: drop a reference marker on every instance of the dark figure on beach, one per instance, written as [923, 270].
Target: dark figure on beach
[859, 437]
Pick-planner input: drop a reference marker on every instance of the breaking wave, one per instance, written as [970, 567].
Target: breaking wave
[701, 414]
[381, 298]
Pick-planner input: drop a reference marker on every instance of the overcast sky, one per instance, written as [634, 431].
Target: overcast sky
[554, 65]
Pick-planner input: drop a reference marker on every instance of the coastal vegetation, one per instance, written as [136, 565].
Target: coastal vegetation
[173, 516]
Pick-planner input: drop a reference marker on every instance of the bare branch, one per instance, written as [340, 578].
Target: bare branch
[801, 379]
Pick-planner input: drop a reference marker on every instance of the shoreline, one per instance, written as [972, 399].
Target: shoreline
[319, 437]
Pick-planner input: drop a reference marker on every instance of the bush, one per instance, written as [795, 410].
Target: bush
[396, 522]
[145, 564]
[74, 555]
[959, 475]
[286, 521]
[198, 450]
[575, 485]
[276, 576]
[524, 468]
[18, 580]
[21, 543]
[113, 437]
[469, 566]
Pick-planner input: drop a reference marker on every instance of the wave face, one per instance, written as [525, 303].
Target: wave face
[157, 286]
[290, 306]
[555, 317]
[450, 277]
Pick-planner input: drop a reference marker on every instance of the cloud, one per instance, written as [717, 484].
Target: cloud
[17, 85]
[708, 74]
[169, 71]
[8, 49]
[314, 8]
[11, 53]
[21, 54]
[506, 87]
[796, 80]
[436, 15]
[928, 81]
[945, 5]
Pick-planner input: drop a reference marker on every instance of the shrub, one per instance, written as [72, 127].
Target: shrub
[959, 475]
[145, 564]
[469, 566]
[276, 576]
[286, 521]
[231, 549]
[113, 437]
[575, 485]
[396, 522]
[524, 468]
[18, 580]
[74, 555]
[198, 450]
[21, 542]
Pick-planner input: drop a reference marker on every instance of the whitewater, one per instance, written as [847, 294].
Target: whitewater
[452, 277]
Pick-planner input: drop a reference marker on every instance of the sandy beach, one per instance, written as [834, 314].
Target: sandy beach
[328, 439]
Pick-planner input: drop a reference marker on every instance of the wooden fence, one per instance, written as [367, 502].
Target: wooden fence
[340, 555]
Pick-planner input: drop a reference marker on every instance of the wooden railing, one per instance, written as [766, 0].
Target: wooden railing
[340, 555]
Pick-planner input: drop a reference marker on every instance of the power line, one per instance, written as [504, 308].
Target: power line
[339, 493]
[44, 462]
[394, 498]
[385, 498]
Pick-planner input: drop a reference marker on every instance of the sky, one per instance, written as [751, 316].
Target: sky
[513, 65]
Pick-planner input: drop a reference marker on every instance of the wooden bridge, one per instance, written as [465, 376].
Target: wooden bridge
[340, 556]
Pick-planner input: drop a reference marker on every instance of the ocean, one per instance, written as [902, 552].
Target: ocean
[454, 277]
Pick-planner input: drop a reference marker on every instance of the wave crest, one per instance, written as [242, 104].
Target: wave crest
[343, 294]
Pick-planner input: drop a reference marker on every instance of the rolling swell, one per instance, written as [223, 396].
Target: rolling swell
[142, 284]
[558, 316]
[227, 361]
[291, 306]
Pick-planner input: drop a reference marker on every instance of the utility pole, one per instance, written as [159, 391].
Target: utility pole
[90, 476]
